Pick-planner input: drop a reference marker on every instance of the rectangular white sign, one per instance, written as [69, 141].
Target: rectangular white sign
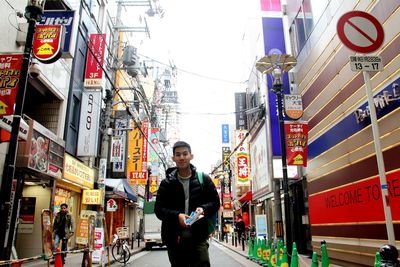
[89, 124]
[366, 63]
[118, 166]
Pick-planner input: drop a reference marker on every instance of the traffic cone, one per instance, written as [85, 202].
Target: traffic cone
[279, 252]
[250, 248]
[325, 258]
[314, 261]
[255, 248]
[58, 260]
[378, 259]
[295, 257]
[259, 250]
[266, 252]
[284, 260]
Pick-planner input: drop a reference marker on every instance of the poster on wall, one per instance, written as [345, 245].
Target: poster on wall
[10, 71]
[261, 225]
[296, 143]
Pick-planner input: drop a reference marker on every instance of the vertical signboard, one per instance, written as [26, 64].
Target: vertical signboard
[10, 71]
[226, 151]
[118, 166]
[242, 163]
[274, 43]
[296, 143]
[225, 133]
[94, 61]
[89, 124]
[135, 172]
[240, 107]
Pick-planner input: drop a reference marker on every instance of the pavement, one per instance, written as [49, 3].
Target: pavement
[304, 260]
[75, 259]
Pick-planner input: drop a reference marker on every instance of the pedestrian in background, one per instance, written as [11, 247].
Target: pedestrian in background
[179, 194]
[240, 226]
[63, 229]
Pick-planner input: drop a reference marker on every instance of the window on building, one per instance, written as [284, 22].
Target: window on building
[75, 112]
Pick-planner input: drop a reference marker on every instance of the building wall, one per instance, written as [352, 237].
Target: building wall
[341, 151]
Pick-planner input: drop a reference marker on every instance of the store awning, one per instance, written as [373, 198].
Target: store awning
[248, 196]
[121, 186]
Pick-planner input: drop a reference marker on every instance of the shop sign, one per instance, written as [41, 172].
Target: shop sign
[226, 152]
[358, 202]
[228, 213]
[43, 152]
[98, 245]
[77, 172]
[94, 61]
[112, 205]
[48, 42]
[116, 151]
[91, 197]
[225, 133]
[296, 143]
[119, 166]
[10, 71]
[293, 106]
[61, 17]
[82, 229]
[136, 167]
[242, 164]
[89, 124]
[153, 184]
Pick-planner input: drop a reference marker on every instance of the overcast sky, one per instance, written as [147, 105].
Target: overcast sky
[204, 40]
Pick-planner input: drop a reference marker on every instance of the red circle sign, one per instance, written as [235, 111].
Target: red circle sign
[360, 31]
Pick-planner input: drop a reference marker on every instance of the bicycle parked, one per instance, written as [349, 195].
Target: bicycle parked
[120, 249]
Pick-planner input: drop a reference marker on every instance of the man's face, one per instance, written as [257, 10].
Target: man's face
[64, 209]
[182, 157]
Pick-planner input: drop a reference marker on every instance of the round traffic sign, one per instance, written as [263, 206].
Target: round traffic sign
[360, 31]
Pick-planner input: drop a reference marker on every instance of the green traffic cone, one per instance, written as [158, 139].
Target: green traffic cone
[259, 250]
[325, 258]
[266, 252]
[255, 245]
[314, 262]
[250, 249]
[279, 252]
[295, 258]
[284, 260]
[378, 259]
[272, 258]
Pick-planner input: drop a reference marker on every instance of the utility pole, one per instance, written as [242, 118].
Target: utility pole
[9, 197]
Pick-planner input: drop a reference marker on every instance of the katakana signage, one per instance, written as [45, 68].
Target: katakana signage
[10, 71]
[48, 42]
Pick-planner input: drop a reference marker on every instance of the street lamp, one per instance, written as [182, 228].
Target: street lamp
[276, 65]
[9, 200]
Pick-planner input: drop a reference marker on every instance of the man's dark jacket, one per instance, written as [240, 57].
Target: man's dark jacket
[170, 202]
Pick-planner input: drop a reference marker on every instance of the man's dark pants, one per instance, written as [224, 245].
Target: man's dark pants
[189, 254]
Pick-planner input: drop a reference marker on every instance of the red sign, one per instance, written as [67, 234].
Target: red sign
[356, 202]
[360, 31]
[10, 71]
[94, 60]
[48, 42]
[296, 143]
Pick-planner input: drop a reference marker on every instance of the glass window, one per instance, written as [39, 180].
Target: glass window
[75, 112]
[300, 29]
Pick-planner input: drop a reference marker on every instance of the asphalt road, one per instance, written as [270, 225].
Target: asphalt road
[220, 257]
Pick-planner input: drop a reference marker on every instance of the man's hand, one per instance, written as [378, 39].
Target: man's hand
[182, 220]
[200, 210]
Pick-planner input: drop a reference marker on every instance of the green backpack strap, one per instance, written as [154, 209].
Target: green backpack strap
[200, 177]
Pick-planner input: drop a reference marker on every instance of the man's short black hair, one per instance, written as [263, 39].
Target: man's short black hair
[64, 205]
[181, 144]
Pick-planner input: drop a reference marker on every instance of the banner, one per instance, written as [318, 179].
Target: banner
[48, 42]
[296, 143]
[88, 137]
[242, 163]
[225, 133]
[135, 171]
[118, 167]
[226, 162]
[94, 61]
[10, 71]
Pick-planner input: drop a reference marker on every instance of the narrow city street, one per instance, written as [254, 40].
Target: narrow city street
[220, 256]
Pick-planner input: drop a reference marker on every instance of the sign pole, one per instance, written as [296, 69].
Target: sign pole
[379, 159]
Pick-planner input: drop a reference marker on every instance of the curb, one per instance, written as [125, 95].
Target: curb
[223, 244]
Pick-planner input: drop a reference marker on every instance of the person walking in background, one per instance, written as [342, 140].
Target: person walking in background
[63, 229]
[240, 226]
[179, 194]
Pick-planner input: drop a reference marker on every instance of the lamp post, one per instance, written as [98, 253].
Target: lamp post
[276, 65]
[9, 199]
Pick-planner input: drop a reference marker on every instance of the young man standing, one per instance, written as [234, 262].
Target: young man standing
[63, 229]
[179, 194]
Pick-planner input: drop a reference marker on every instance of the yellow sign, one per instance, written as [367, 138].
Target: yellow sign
[91, 197]
[77, 172]
[82, 228]
[45, 49]
[3, 108]
[135, 171]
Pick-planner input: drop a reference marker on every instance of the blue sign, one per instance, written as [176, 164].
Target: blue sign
[65, 18]
[274, 43]
[225, 133]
